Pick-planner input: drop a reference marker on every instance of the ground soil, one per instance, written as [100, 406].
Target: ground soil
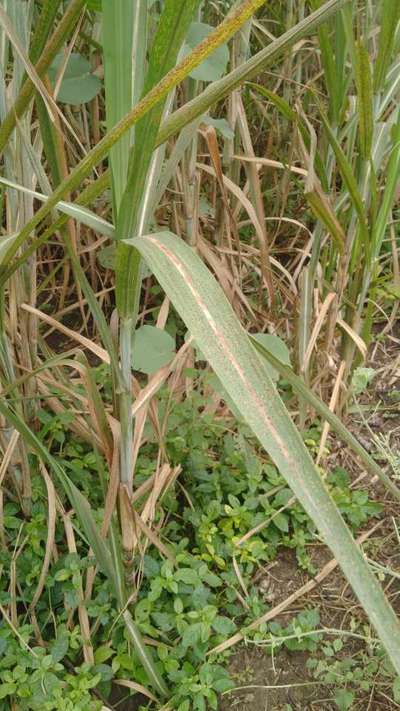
[256, 670]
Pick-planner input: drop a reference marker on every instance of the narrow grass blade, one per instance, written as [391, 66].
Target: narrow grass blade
[323, 210]
[348, 177]
[49, 138]
[43, 26]
[305, 316]
[223, 87]
[88, 195]
[169, 169]
[78, 501]
[291, 115]
[332, 78]
[42, 30]
[95, 309]
[5, 242]
[389, 194]
[144, 657]
[363, 79]
[208, 315]
[390, 18]
[96, 405]
[172, 29]
[19, 51]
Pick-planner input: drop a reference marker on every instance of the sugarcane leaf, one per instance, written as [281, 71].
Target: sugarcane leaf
[77, 212]
[180, 118]
[213, 324]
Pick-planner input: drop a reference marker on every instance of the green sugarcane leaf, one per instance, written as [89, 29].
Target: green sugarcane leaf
[171, 32]
[77, 212]
[277, 347]
[323, 210]
[5, 242]
[348, 177]
[124, 35]
[345, 435]
[213, 324]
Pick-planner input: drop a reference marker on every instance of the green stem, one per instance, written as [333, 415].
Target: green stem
[125, 402]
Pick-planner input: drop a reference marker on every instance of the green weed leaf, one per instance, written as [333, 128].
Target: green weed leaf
[215, 65]
[362, 377]
[78, 84]
[223, 625]
[152, 348]
[344, 699]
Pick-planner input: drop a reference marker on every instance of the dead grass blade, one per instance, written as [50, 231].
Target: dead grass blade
[8, 454]
[136, 687]
[332, 406]
[269, 163]
[252, 213]
[113, 484]
[27, 90]
[152, 537]
[316, 330]
[8, 28]
[255, 188]
[156, 381]
[361, 345]
[85, 342]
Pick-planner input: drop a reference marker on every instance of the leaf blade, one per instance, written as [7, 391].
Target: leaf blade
[213, 324]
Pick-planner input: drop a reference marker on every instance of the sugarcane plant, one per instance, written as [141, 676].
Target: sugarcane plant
[145, 62]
